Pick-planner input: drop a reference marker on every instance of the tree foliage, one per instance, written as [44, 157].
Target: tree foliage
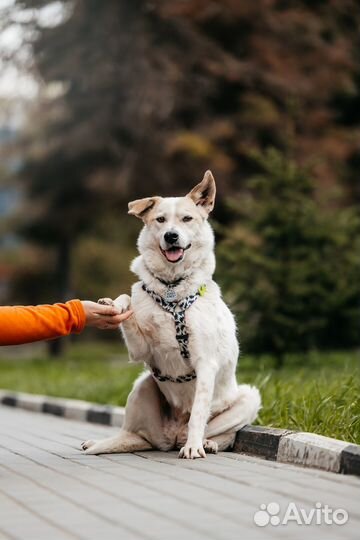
[151, 93]
[141, 97]
[289, 265]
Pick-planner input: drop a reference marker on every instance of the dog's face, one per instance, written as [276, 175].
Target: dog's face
[176, 227]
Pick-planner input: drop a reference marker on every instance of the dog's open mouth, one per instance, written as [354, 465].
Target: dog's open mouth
[174, 254]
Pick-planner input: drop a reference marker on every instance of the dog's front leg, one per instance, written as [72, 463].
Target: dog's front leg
[137, 346]
[200, 413]
[134, 339]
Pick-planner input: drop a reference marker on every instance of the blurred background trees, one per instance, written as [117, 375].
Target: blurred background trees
[140, 97]
[290, 265]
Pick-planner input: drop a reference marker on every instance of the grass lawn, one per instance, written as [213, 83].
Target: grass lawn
[317, 392]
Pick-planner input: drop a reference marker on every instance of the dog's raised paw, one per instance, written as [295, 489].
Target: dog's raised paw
[210, 447]
[122, 303]
[106, 301]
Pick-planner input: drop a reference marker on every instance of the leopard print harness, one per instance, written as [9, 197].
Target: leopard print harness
[177, 310]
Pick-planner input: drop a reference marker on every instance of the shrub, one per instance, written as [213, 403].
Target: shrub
[289, 266]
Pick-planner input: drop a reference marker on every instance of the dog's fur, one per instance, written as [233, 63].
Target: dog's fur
[204, 414]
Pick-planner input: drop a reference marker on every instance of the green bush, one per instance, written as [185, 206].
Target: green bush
[290, 266]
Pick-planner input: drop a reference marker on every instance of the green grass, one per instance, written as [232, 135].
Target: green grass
[317, 392]
[95, 372]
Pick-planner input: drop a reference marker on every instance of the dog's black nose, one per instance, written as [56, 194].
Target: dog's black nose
[171, 237]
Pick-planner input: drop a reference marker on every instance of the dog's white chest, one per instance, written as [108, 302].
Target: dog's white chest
[211, 332]
[158, 328]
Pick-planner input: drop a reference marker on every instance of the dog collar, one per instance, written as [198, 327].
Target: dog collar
[167, 283]
[170, 283]
[170, 293]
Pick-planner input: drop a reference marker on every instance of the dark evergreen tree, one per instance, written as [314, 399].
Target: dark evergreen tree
[289, 265]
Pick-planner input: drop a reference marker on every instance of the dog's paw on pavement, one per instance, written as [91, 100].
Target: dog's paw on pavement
[87, 444]
[210, 447]
[192, 452]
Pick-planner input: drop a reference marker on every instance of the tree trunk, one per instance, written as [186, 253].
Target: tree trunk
[62, 287]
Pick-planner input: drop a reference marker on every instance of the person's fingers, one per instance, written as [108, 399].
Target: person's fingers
[111, 323]
[125, 316]
[119, 318]
[104, 311]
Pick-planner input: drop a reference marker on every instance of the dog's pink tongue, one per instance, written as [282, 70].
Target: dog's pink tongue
[174, 254]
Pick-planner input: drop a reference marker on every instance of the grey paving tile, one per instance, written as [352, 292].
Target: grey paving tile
[53, 491]
[19, 522]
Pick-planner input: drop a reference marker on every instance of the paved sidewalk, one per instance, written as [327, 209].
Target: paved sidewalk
[50, 491]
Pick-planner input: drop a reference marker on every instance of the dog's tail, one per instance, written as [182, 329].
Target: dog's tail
[244, 411]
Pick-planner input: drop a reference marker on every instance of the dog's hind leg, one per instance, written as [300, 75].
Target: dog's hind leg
[146, 411]
[123, 442]
[143, 427]
[220, 432]
[220, 443]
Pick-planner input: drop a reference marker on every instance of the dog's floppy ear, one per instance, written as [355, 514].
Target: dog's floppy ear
[140, 207]
[204, 193]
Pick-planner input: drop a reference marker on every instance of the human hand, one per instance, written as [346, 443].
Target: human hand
[104, 317]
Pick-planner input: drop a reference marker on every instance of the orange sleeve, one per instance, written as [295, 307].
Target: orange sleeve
[24, 324]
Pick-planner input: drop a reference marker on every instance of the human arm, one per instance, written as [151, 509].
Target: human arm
[25, 324]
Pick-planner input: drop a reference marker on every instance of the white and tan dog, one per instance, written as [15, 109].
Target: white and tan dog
[182, 330]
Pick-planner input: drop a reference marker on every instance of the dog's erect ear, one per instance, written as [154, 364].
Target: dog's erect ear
[141, 207]
[204, 193]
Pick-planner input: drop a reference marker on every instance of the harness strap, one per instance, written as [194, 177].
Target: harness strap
[180, 379]
[177, 310]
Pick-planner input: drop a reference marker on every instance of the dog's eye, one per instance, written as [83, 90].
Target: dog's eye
[187, 218]
[160, 219]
